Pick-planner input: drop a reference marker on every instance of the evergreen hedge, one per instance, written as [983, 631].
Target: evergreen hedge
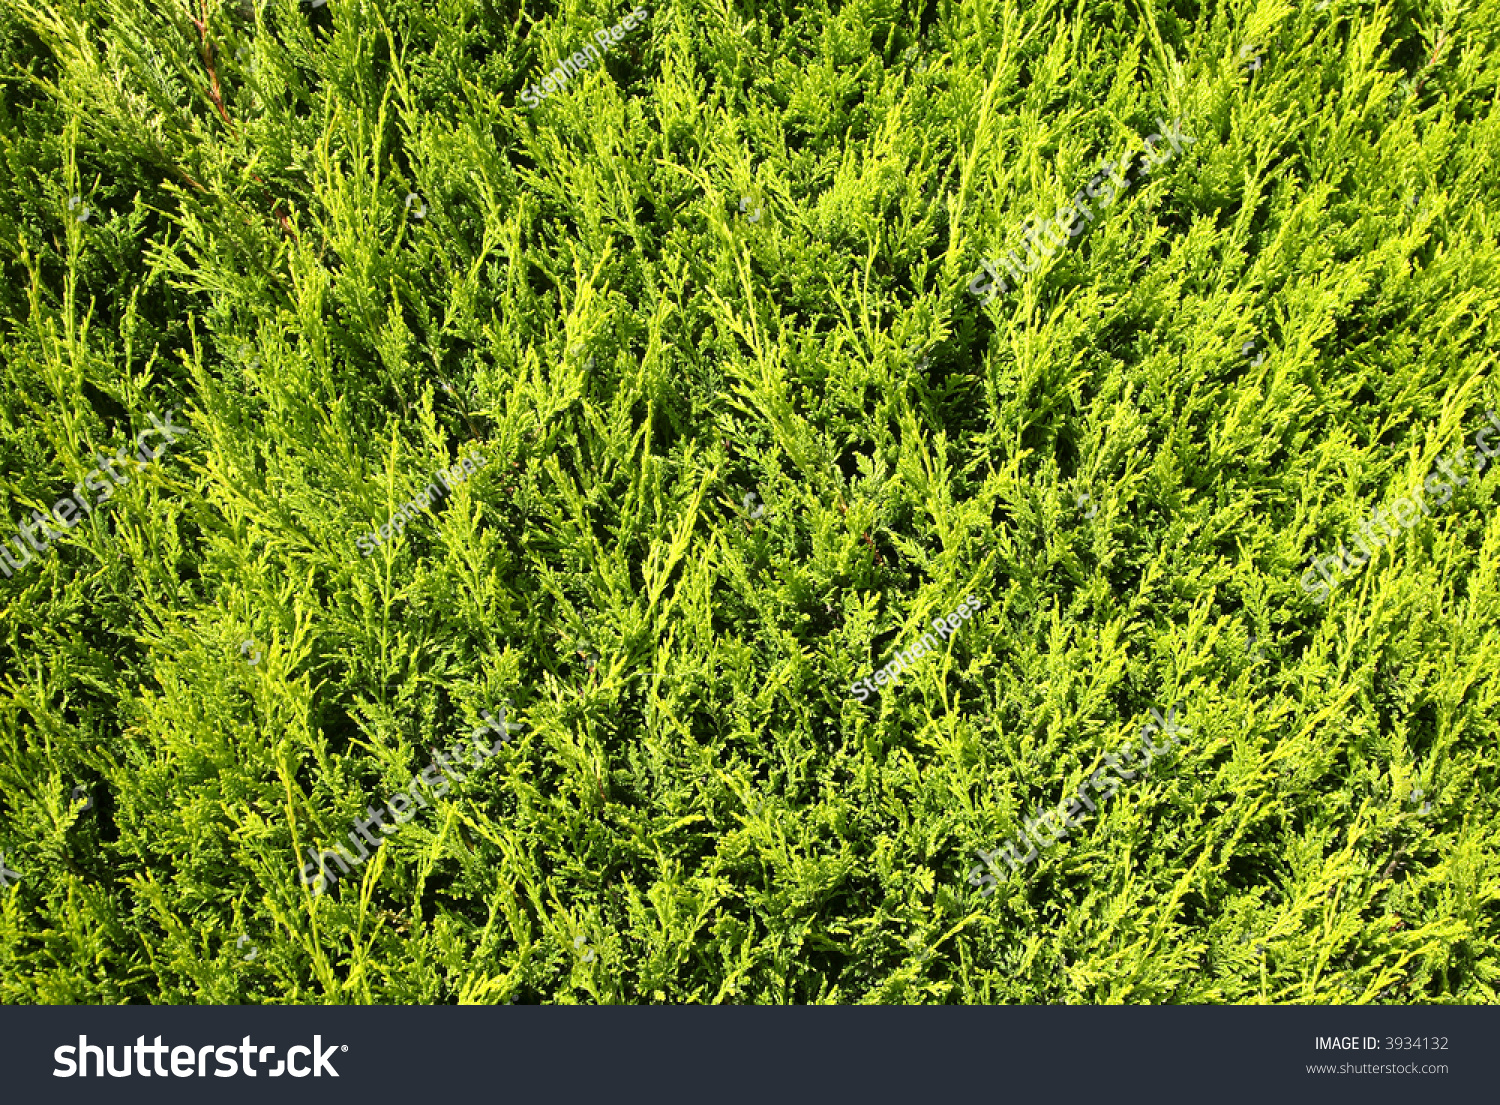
[706, 312]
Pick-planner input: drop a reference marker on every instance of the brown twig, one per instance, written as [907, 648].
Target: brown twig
[183, 174]
[1436, 49]
[286, 223]
[1395, 864]
[216, 95]
[879, 560]
[206, 48]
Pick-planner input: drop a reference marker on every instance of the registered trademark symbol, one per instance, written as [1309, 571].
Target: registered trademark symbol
[346, 1047]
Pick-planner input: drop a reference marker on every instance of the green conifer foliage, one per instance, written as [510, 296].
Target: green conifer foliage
[705, 313]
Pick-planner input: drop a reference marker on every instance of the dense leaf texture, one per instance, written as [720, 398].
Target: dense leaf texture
[706, 312]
